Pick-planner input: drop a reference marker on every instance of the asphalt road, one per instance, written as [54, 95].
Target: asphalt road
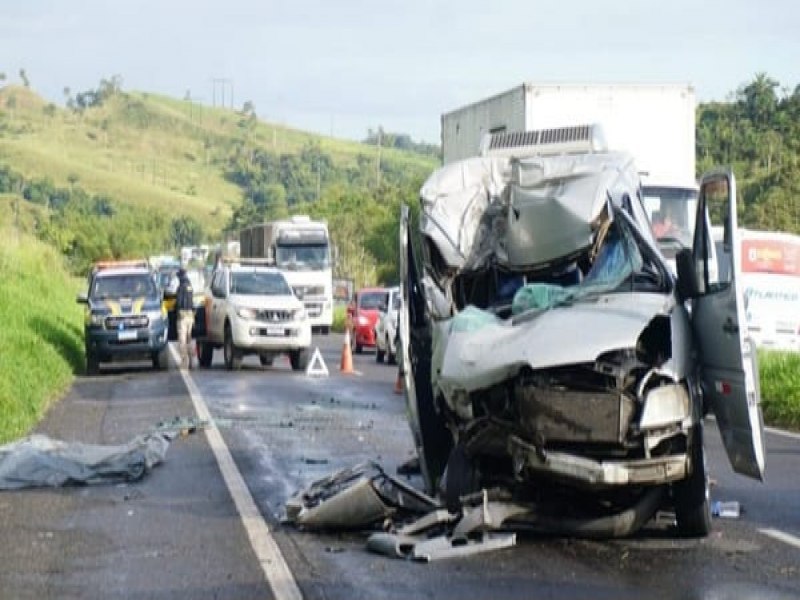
[177, 533]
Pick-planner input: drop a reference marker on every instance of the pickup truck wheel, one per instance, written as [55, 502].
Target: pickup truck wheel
[92, 363]
[391, 357]
[692, 495]
[299, 359]
[266, 359]
[161, 359]
[206, 354]
[379, 354]
[233, 358]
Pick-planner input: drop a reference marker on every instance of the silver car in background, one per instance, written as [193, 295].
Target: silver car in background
[386, 328]
[555, 360]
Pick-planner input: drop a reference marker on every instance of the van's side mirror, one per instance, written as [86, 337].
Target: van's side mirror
[687, 276]
[82, 299]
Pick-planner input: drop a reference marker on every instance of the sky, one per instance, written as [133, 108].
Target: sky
[341, 67]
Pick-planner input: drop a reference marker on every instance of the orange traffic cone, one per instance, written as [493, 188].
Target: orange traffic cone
[346, 365]
[398, 384]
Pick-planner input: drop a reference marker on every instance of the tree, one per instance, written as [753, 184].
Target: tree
[759, 99]
[185, 231]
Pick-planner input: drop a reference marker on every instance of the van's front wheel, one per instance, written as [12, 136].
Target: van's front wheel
[693, 495]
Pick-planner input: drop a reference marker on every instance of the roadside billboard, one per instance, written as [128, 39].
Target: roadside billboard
[771, 278]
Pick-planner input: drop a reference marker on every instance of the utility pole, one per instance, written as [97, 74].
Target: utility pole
[378, 160]
[319, 178]
[222, 83]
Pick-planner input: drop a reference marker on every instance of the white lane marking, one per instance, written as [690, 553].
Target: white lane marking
[781, 432]
[277, 572]
[782, 536]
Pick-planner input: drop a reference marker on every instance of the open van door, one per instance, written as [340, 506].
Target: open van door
[729, 360]
[432, 439]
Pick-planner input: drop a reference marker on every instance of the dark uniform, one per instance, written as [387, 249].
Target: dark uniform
[184, 305]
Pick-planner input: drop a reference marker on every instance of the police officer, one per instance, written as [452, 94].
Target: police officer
[184, 304]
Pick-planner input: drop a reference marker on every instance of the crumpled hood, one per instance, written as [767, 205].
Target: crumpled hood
[470, 355]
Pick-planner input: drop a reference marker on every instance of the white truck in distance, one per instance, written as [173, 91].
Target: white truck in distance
[301, 249]
[653, 122]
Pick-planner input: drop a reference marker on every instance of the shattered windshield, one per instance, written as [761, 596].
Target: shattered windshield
[303, 258]
[617, 261]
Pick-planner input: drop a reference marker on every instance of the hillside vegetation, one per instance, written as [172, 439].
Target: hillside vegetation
[41, 338]
[121, 173]
[758, 135]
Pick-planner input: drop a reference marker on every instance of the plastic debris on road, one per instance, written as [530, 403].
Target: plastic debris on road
[413, 525]
[726, 510]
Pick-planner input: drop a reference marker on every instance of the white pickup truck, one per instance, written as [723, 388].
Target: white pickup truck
[250, 309]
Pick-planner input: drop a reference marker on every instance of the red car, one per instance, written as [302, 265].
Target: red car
[363, 313]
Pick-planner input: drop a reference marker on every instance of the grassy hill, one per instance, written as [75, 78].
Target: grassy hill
[146, 150]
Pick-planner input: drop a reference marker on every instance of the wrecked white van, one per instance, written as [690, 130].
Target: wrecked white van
[551, 356]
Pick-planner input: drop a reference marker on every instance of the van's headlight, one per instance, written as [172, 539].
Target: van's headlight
[97, 319]
[299, 314]
[246, 313]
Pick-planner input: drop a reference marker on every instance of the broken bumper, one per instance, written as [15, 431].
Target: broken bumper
[587, 472]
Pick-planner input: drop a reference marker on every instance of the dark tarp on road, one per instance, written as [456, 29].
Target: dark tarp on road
[39, 461]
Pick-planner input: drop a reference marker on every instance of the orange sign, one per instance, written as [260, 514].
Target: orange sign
[771, 256]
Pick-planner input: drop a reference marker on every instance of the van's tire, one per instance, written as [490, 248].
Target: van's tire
[233, 356]
[692, 495]
[299, 359]
[205, 354]
[461, 478]
[92, 363]
[391, 357]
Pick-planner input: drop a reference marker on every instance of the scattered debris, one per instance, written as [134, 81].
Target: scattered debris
[181, 425]
[356, 497]
[726, 510]
[410, 467]
[365, 496]
[442, 534]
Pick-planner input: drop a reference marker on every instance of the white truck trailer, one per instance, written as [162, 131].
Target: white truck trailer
[301, 248]
[653, 122]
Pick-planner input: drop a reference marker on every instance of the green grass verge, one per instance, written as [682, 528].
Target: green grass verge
[41, 331]
[339, 317]
[780, 388]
